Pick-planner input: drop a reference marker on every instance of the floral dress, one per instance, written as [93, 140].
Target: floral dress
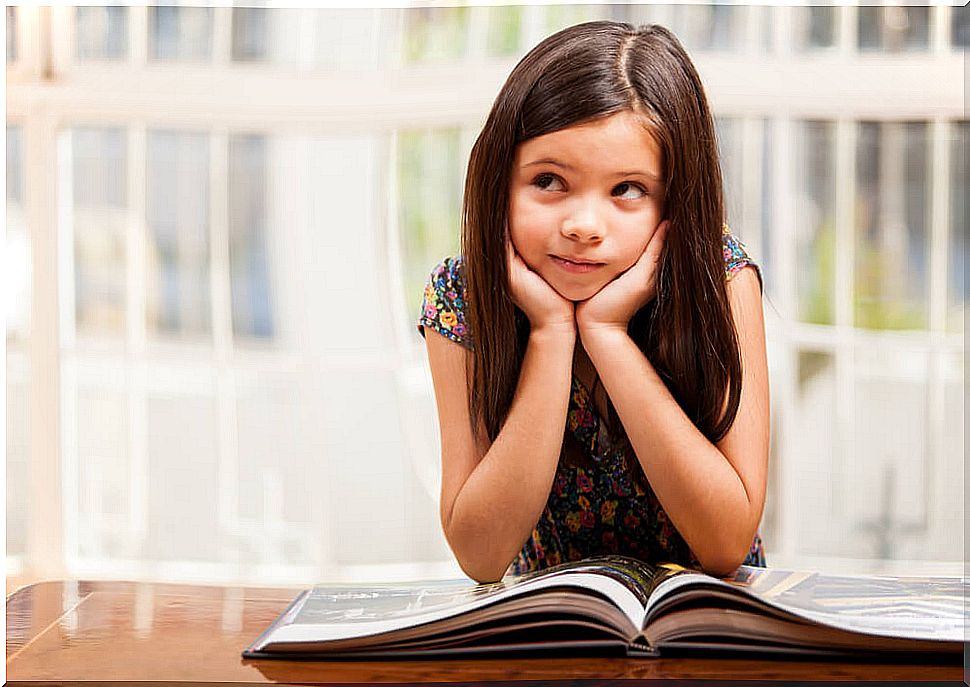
[603, 503]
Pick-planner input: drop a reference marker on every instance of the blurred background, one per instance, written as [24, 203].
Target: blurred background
[219, 224]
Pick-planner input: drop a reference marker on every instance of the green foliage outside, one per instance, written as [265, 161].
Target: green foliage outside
[872, 309]
[560, 16]
[818, 303]
[504, 31]
[435, 34]
[430, 182]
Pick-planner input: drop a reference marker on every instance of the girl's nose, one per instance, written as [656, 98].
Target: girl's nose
[582, 225]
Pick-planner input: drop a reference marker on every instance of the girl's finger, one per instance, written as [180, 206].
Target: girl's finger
[661, 233]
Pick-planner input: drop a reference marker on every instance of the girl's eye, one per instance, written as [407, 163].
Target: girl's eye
[622, 190]
[548, 182]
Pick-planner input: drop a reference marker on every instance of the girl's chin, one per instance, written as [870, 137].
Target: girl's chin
[576, 293]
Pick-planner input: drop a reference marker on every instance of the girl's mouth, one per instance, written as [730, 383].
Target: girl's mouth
[576, 267]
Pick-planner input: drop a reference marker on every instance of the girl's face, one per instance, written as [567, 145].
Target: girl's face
[584, 202]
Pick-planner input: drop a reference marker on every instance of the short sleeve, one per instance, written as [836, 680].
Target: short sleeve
[443, 306]
[736, 256]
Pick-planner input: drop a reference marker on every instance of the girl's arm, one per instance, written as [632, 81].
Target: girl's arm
[714, 494]
[492, 496]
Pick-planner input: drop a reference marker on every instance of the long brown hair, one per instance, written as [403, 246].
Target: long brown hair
[581, 73]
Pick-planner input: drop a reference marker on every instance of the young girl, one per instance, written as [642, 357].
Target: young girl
[601, 376]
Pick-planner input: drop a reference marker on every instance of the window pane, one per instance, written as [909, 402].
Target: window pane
[730, 152]
[815, 222]
[892, 228]
[249, 33]
[103, 473]
[17, 246]
[281, 521]
[430, 168]
[348, 39]
[252, 305]
[894, 28]
[504, 30]
[885, 480]
[11, 34]
[960, 26]
[16, 265]
[814, 27]
[17, 448]
[178, 225]
[560, 16]
[99, 169]
[814, 463]
[959, 224]
[708, 27]
[435, 33]
[183, 479]
[180, 33]
[767, 202]
[101, 32]
[15, 142]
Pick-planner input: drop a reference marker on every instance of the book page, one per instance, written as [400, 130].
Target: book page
[330, 613]
[929, 608]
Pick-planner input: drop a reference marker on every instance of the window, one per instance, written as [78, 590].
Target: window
[730, 151]
[815, 222]
[960, 26]
[17, 292]
[99, 172]
[435, 33]
[11, 35]
[180, 33]
[894, 28]
[708, 27]
[15, 156]
[504, 31]
[959, 224]
[177, 209]
[892, 228]
[249, 33]
[430, 168]
[815, 27]
[252, 307]
[101, 33]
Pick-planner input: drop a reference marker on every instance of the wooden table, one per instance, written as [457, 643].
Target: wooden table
[123, 631]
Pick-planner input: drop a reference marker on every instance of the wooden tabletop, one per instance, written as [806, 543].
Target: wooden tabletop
[71, 631]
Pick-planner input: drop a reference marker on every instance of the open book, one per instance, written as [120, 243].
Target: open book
[621, 605]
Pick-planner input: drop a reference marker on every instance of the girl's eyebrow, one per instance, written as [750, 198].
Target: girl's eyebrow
[550, 161]
[570, 168]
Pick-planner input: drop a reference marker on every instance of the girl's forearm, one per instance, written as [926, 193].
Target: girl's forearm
[697, 486]
[499, 504]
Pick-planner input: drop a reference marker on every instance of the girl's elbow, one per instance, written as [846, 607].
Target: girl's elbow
[481, 575]
[475, 564]
[725, 560]
[481, 570]
[722, 567]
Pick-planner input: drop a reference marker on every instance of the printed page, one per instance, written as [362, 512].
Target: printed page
[930, 608]
[331, 613]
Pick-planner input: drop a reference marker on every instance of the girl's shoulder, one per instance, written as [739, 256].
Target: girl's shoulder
[736, 256]
[443, 305]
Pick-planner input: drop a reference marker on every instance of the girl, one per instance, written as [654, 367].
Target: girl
[601, 324]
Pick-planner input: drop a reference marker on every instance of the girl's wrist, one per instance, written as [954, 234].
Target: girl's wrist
[565, 331]
[602, 337]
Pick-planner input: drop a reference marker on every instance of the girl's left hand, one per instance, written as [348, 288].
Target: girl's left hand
[613, 305]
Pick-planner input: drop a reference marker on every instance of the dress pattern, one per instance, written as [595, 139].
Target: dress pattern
[605, 506]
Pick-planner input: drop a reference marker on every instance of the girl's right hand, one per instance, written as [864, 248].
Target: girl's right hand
[544, 307]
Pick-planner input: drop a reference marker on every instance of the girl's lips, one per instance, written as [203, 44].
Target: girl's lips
[576, 267]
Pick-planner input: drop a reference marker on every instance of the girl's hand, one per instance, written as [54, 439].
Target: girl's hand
[613, 305]
[544, 307]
